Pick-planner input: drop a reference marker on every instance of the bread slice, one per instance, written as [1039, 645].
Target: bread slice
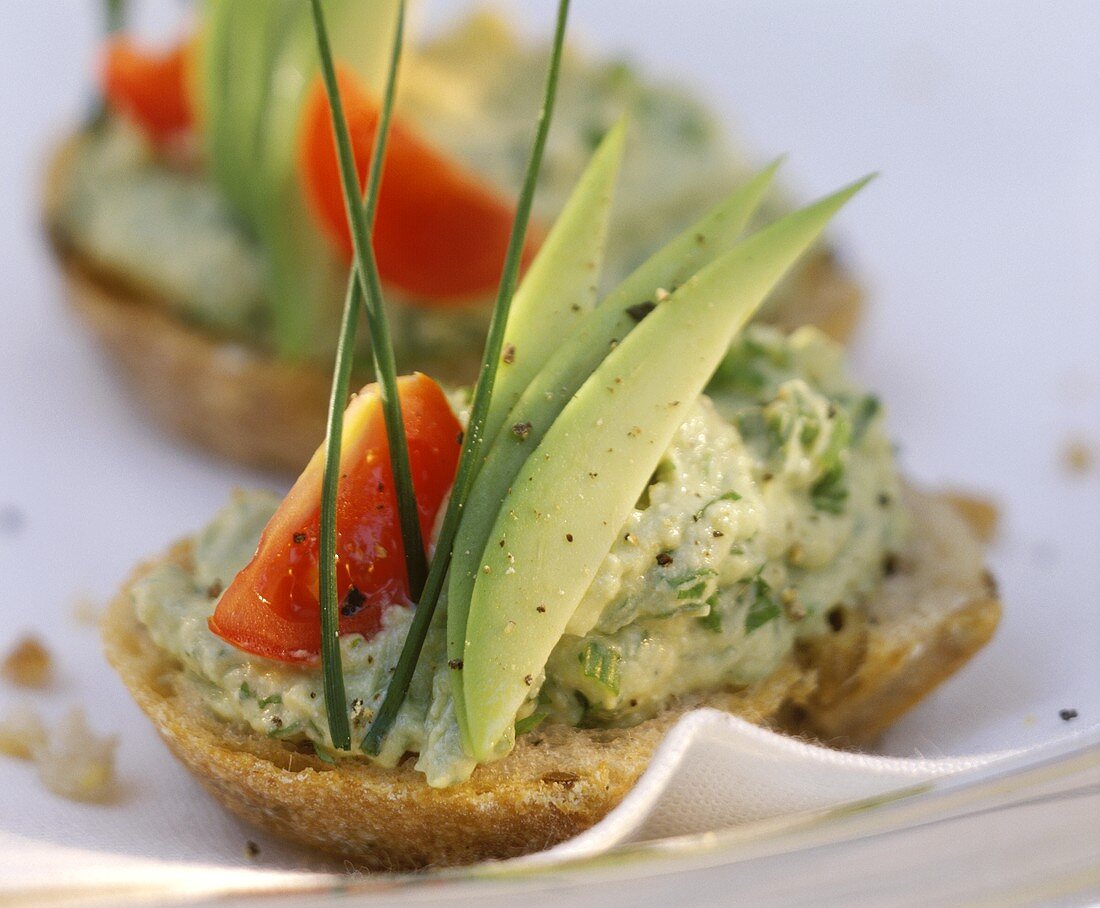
[934, 611]
[242, 403]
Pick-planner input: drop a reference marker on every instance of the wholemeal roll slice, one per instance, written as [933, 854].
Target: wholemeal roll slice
[936, 607]
[232, 398]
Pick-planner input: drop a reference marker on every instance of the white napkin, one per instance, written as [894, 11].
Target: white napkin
[714, 770]
[711, 771]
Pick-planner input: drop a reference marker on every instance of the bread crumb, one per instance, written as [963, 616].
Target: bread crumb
[22, 733]
[76, 763]
[980, 513]
[72, 762]
[86, 611]
[1078, 456]
[28, 664]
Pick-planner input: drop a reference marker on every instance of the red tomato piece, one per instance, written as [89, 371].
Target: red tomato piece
[149, 88]
[440, 234]
[271, 608]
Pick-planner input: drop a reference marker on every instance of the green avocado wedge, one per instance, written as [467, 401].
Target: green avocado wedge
[557, 292]
[578, 486]
[258, 63]
[560, 287]
[577, 357]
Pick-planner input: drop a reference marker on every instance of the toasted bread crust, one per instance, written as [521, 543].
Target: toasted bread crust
[979, 511]
[928, 619]
[221, 395]
[828, 297]
[247, 405]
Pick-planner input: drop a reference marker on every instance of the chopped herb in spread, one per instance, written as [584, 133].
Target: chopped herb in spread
[601, 663]
[762, 608]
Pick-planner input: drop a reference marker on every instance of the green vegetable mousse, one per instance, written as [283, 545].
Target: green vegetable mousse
[230, 215]
[776, 501]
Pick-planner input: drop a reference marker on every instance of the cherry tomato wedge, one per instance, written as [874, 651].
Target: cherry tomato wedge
[440, 234]
[271, 608]
[149, 88]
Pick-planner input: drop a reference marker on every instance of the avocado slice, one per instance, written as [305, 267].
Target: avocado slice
[560, 287]
[258, 61]
[558, 290]
[563, 374]
[578, 486]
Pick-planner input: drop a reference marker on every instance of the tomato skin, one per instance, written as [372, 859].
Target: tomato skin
[271, 608]
[440, 234]
[149, 88]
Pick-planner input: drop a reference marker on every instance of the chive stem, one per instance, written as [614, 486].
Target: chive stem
[382, 137]
[474, 436]
[116, 16]
[385, 368]
[361, 212]
[332, 670]
[114, 23]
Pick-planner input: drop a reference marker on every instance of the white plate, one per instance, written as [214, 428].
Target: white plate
[979, 246]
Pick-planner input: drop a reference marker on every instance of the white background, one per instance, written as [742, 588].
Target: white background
[979, 246]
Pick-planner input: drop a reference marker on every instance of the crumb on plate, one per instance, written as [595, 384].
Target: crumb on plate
[76, 763]
[979, 512]
[28, 664]
[1078, 456]
[22, 733]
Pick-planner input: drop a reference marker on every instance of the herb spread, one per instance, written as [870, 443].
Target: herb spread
[169, 231]
[776, 501]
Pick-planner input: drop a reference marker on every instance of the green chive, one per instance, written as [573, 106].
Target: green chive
[364, 274]
[114, 22]
[726, 496]
[116, 16]
[362, 218]
[530, 723]
[762, 608]
[601, 663]
[863, 414]
[474, 436]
